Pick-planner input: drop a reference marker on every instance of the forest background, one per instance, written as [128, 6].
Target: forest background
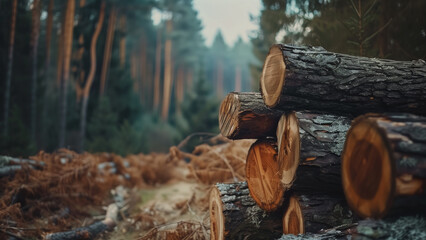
[100, 76]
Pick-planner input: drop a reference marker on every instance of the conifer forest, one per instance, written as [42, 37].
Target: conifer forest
[118, 120]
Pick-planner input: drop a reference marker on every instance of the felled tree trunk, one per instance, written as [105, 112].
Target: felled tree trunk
[234, 215]
[313, 212]
[312, 142]
[245, 116]
[263, 176]
[91, 231]
[384, 157]
[315, 79]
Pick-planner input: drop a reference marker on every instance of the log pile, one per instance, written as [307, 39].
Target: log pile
[328, 150]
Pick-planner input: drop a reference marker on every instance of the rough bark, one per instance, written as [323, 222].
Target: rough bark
[384, 157]
[108, 49]
[309, 147]
[68, 36]
[9, 68]
[91, 76]
[157, 73]
[167, 73]
[234, 215]
[245, 116]
[317, 211]
[311, 78]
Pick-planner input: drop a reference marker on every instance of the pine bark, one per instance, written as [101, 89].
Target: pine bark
[312, 151]
[234, 215]
[311, 78]
[91, 76]
[68, 36]
[157, 73]
[108, 49]
[9, 68]
[384, 157]
[244, 115]
[168, 68]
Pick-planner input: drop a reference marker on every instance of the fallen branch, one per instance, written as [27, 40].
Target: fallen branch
[92, 230]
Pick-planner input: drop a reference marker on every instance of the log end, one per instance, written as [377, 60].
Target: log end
[367, 169]
[228, 115]
[217, 220]
[293, 222]
[272, 79]
[288, 139]
[263, 176]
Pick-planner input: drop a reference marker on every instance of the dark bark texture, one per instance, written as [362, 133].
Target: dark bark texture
[316, 79]
[322, 138]
[88, 232]
[322, 211]
[243, 218]
[245, 116]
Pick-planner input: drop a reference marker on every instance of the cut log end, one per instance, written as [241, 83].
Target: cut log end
[228, 119]
[217, 221]
[367, 169]
[288, 139]
[263, 175]
[293, 222]
[272, 79]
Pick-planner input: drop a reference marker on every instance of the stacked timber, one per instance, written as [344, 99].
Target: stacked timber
[320, 154]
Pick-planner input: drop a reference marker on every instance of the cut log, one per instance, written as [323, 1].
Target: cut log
[315, 212]
[312, 142]
[234, 215]
[311, 78]
[263, 176]
[91, 231]
[245, 116]
[384, 157]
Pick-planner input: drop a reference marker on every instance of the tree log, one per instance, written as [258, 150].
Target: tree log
[315, 212]
[384, 157]
[234, 215]
[90, 231]
[263, 177]
[245, 116]
[312, 142]
[311, 78]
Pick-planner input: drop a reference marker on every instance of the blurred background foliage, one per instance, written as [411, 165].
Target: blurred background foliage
[154, 84]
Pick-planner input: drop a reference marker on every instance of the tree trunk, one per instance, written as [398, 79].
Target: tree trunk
[157, 71]
[108, 49]
[311, 140]
[60, 59]
[9, 68]
[91, 231]
[49, 25]
[179, 89]
[142, 77]
[234, 215]
[384, 157]
[310, 78]
[313, 212]
[91, 76]
[168, 68]
[263, 177]
[123, 41]
[34, 49]
[68, 32]
[245, 116]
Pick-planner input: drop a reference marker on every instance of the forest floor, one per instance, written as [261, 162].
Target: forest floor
[160, 196]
